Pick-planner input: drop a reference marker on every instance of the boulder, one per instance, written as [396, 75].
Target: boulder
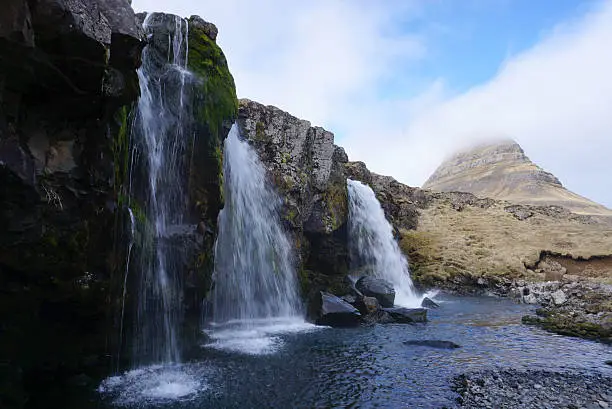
[367, 305]
[558, 297]
[429, 303]
[403, 315]
[381, 289]
[433, 343]
[335, 312]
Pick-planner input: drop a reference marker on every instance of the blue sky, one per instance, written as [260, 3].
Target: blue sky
[404, 83]
[469, 40]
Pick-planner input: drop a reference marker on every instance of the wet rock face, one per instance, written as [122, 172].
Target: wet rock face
[62, 104]
[308, 171]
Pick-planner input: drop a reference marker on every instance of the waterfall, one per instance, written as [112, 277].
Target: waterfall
[373, 246]
[255, 287]
[125, 277]
[159, 133]
[254, 269]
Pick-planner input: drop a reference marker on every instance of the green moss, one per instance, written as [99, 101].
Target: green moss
[260, 134]
[566, 325]
[217, 88]
[285, 156]
[336, 199]
[121, 148]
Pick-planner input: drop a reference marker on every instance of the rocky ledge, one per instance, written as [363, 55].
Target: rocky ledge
[533, 389]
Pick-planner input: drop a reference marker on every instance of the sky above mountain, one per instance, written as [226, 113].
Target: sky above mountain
[403, 83]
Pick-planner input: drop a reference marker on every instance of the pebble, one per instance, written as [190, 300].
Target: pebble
[503, 388]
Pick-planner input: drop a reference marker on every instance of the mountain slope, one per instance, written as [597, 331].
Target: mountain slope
[502, 171]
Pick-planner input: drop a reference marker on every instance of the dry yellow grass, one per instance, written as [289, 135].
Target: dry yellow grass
[483, 242]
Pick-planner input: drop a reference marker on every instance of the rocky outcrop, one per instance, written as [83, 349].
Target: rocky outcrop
[574, 308]
[67, 84]
[308, 171]
[501, 170]
[67, 77]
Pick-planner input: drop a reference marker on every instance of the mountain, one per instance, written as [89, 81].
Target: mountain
[501, 170]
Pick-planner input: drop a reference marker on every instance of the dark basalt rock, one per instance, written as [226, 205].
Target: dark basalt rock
[67, 83]
[407, 315]
[335, 312]
[16, 22]
[429, 303]
[433, 344]
[381, 289]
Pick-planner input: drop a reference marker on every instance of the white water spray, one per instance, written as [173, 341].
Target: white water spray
[373, 246]
[255, 293]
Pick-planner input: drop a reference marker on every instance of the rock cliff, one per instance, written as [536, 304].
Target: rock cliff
[502, 171]
[68, 82]
[67, 77]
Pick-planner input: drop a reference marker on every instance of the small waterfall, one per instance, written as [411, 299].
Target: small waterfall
[373, 246]
[254, 270]
[255, 291]
[125, 277]
[159, 133]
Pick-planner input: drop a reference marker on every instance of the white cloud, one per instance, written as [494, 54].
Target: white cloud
[327, 61]
[306, 57]
[554, 99]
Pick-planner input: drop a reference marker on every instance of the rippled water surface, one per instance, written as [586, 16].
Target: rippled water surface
[360, 367]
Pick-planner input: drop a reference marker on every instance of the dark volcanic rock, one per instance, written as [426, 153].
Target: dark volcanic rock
[16, 22]
[429, 303]
[433, 344]
[336, 312]
[407, 315]
[376, 287]
[67, 83]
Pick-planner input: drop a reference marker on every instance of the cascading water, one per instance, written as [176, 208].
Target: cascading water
[373, 246]
[255, 291]
[161, 131]
[159, 134]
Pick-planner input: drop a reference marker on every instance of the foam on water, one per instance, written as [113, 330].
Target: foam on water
[155, 385]
[255, 337]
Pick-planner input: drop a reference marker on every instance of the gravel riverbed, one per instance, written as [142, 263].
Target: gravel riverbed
[533, 389]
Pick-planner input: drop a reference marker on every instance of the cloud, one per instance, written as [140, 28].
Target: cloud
[307, 57]
[555, 99]
[348, 65]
